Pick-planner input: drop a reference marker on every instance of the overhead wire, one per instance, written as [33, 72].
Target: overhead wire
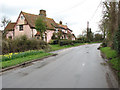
[95, 11]
[78, 4]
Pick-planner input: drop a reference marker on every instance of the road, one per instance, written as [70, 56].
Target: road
[77, 67]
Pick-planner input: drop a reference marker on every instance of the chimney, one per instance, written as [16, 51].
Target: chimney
[60, 22]
[42, 12]
[88, 24]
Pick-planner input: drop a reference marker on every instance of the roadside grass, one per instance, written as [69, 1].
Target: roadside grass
[113, 58]
[95, 42]
[58, 47]
[109, 52]
[24, 58]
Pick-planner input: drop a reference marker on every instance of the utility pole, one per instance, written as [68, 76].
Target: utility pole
[88, 30]
[87, 24]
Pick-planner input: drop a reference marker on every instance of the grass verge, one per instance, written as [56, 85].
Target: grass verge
[21, 60]
[114, 59]
[58, 47]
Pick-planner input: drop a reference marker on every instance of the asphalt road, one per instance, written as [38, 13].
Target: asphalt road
[78, 67]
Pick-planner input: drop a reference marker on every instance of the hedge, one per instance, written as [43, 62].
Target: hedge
[22, 44]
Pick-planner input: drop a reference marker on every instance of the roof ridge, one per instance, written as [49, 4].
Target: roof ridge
[12, 22]
[49, 18]
[30, 13]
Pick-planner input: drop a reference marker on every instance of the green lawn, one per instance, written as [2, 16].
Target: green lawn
[114, 58]
[20, 60]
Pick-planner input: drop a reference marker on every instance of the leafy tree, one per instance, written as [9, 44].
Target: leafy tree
[69, 36]
[89, 35]
[40, 25]
[98, 37]
[54, 36]
[59, 34]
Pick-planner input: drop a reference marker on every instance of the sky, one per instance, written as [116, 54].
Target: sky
[74, 13]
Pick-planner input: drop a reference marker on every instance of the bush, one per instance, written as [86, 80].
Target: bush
[77, 41]
[22, 44]
[65, 42]
[54, 42]
[115, 63]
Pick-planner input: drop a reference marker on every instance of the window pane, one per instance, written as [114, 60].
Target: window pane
[21, 27]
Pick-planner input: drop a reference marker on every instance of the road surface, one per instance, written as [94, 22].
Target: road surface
[77, 67]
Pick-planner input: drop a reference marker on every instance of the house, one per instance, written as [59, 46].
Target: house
[66, 32]
[25, 25]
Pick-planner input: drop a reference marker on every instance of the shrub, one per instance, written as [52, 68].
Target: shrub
[54, 42]
[115, 63]
[65, 42]
[22, 44]
[77, 41]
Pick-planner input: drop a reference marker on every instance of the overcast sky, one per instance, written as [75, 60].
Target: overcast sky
[74, 13]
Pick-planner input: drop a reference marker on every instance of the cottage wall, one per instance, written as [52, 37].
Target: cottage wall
[10, 34]
[26, 28]
[26, 31]
[49, 35]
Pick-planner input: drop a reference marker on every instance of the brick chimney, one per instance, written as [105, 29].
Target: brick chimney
[60, 22]
[42, 12]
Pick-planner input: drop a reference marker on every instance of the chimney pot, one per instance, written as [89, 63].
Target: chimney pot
[42, 12]
[61, 22]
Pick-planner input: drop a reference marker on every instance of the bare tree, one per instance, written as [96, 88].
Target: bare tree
[109, 22]
[5, 21]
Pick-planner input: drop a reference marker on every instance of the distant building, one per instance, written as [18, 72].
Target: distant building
[25, 25]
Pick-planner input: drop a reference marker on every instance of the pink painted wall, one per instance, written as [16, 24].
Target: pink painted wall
[49, 35]
[26, 28]
[10, 33]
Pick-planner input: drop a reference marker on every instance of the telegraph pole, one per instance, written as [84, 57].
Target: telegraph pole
[88, 30]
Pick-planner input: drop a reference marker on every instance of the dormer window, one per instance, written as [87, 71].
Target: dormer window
[22, 17]
[21, 28]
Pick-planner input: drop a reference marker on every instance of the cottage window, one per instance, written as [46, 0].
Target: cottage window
[38, 37]
[21, 27]
[10, 37]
